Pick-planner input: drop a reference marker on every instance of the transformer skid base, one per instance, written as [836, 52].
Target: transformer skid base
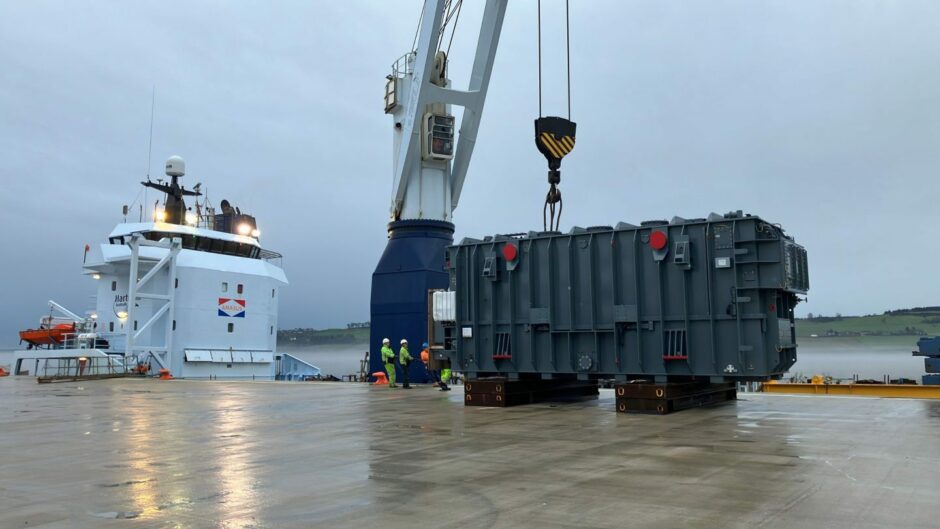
[499, 392]
[669, 397]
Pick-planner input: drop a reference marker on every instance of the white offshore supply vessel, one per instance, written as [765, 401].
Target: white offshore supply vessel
[190, 294]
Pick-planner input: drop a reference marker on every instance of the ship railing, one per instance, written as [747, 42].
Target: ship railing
[77, 367]
[271, 256]
[404, 65]
[206, 221]
[79, 340]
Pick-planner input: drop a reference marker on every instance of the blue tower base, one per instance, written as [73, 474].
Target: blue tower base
[931, 380]
[412, 264]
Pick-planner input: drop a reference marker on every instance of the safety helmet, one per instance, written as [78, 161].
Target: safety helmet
[425, 345]
[386, 340]
[404, 341]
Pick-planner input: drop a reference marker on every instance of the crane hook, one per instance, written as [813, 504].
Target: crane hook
[554, 138]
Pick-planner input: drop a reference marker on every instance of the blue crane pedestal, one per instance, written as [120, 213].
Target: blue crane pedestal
[929, 348]
[412, 264]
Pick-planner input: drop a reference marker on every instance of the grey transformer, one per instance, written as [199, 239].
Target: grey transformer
[710, 299]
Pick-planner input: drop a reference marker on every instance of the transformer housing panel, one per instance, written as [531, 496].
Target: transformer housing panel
[666, 300]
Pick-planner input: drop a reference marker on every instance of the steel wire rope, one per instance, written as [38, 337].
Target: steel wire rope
[414, 42]
[561, 203]
[553, 222]
[454, 29]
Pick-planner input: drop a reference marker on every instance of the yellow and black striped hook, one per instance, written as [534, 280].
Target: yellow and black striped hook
[554, 138]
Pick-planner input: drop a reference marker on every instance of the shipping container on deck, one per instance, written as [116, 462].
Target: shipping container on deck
[708, 298]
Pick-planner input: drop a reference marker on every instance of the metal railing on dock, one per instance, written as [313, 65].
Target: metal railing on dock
[70, 368]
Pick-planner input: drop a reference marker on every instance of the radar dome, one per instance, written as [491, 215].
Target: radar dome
[175, 166]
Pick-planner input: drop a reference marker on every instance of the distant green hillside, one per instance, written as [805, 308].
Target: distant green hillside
[323, 337]
[900, 326]
[891, 327]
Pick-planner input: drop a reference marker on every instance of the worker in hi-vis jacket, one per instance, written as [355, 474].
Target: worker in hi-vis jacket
[404, 358]
[388, 358]
[435, 374]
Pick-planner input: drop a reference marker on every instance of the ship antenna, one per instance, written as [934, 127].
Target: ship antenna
[153, 102]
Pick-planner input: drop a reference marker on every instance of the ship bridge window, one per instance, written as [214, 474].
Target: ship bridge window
[224, 286]
[209, 244]
[113, 286]
[231, 327]
[241, 288]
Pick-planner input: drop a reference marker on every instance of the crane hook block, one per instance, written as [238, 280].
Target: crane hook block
[554, 138]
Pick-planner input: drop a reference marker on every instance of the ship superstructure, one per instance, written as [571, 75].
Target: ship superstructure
[191, 291]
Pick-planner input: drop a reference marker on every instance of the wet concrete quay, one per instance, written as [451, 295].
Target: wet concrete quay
[143, 453]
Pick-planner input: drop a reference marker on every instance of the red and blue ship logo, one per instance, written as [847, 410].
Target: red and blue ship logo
[232, 308]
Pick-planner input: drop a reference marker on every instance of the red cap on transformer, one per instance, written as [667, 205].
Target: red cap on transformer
[510, 252]
[658, 240]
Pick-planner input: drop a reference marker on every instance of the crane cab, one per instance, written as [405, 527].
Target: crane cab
[438, 136]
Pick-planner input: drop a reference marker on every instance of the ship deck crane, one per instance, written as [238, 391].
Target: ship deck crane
[430, 167]
[429, 170]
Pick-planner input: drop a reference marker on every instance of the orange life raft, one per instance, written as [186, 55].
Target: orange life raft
[51, 336]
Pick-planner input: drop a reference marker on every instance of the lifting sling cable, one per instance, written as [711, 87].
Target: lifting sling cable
[451, 11]
[414, 43]
[554, 136]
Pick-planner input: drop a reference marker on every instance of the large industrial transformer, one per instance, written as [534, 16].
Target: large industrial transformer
[710, 299]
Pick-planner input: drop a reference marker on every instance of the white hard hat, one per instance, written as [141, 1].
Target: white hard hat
[404, 341]
[386, 340]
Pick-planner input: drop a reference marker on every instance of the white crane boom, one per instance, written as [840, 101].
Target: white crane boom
[69, 314]
[425, 185]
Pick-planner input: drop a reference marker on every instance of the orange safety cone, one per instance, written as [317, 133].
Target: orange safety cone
[380, 378]
[165, 374]
[3, 373]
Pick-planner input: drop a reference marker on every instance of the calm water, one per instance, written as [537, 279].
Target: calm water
[839, 361]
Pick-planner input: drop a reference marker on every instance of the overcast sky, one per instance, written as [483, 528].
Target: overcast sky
[821, 115]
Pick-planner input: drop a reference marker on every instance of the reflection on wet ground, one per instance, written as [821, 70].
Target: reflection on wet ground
[138, 453]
